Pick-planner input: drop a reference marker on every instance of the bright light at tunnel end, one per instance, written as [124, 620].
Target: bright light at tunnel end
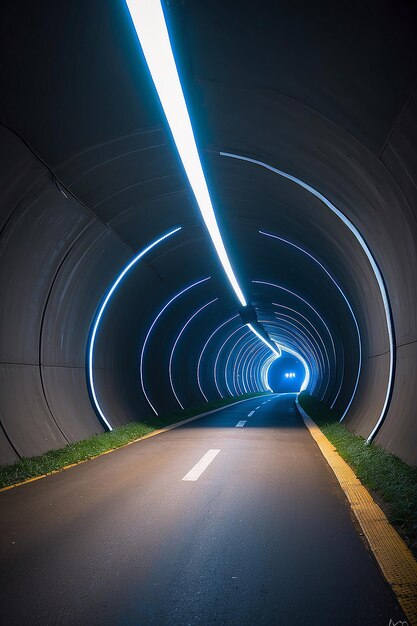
[149, 22]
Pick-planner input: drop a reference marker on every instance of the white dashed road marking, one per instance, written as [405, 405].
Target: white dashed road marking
[204, 462]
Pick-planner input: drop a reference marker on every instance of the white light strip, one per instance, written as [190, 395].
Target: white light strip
[373, 263]
[274, 350]
[171, 356]
[203, 351]
[142, 382]
[100, 315]
[149, 22]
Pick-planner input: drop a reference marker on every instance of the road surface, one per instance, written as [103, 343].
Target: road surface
[234, 518]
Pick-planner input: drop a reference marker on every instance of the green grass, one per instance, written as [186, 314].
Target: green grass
[391, 479]
[76, 452]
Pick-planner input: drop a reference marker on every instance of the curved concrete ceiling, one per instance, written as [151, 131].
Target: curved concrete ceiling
[91, 178]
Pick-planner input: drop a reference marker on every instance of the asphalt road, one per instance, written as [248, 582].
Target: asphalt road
[261, 535]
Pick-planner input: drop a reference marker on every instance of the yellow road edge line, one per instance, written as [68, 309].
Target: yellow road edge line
[147, 436]
[394, 558]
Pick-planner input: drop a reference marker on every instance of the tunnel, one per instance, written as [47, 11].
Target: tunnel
[286, 374]
[115, 306]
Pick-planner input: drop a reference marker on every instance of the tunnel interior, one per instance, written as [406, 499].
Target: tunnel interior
[114, 304]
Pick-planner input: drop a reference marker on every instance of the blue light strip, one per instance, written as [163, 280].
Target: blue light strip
[198, 282]
[90, 349]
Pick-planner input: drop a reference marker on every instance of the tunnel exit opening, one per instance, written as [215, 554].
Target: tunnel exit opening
[286, 374]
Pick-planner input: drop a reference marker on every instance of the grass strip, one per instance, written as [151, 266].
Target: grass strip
[54, 460]
[392, 481]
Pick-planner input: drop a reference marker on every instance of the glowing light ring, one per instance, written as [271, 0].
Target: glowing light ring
[198, 282]
[246, 372]
[261, 282]
[312, 377]
[281, 306]
[237, 369]
[297, 354]
[348, 305]
[314, 364]
[237, 376]
[226, 370]
[203, 351]
[308, 345]
[171, 356]
[310, 334]
[217, 358]
[303, 361]
[373, 263]
[299, 343]
[288, 349]
[247, 367]
[314, 345]
[264, 372]
[228, 358]
[93, 335]
[255, 366]
[149, 22]
[231, 350]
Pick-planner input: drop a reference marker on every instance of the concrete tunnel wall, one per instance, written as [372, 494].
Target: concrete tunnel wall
[78, 201]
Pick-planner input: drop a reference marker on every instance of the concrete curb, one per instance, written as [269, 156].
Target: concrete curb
[395, 560]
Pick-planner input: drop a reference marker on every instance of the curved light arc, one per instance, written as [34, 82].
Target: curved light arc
[171, 356]
[100, 314]
[336, 284]
[142, 382]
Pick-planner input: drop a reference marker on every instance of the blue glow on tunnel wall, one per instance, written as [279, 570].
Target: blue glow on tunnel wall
[93, 334]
